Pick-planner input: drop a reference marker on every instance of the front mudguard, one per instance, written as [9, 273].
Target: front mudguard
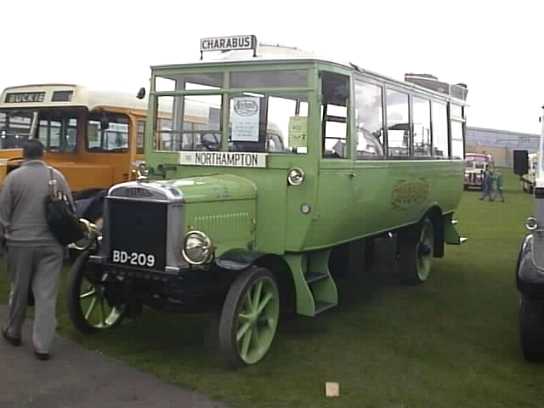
[237, 259]
[529, 272]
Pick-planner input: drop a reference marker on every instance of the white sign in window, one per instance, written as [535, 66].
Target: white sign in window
[244, 118]
[225, 159]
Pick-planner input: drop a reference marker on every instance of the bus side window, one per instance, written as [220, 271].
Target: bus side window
[457, 128]
[140, 137]
[440, 130]
[113, 138]
[421, 122]
[398, 124]
[334, 113]
[369, 121]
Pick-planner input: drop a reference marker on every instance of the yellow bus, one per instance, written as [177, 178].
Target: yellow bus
[95, 138]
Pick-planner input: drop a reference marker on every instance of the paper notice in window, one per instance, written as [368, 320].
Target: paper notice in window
[244, 119]
[298, 131]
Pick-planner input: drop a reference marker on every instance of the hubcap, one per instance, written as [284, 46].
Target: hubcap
[97, 311]
[425, 250]
[257, 321]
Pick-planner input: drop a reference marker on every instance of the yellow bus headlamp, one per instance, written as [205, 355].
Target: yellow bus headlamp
[197, 248]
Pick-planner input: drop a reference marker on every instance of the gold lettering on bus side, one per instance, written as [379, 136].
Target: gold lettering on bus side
[406, 194]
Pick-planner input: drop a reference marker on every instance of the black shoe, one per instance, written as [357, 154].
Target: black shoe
[42, 356]
[14, 341]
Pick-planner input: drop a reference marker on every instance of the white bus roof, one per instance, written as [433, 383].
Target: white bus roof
[66, 95]
[280, 53]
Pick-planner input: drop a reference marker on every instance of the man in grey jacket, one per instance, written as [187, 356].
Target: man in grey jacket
[34, 256]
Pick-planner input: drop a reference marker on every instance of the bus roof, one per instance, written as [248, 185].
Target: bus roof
[267, 53]
[66, 95]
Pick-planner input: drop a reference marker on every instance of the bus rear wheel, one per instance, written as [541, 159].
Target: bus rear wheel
[531, 324]
[416, 248]
[249, 317]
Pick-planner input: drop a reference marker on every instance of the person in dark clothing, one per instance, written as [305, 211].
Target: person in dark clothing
[499, 186]
[487, 185]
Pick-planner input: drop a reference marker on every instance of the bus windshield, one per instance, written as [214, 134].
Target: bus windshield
[267, 111]
[15, 128]
[57, 129]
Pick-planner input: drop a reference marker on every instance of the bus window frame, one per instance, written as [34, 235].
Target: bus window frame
[350, 118]
[427, 99]
[381, 85]
[81, 118]
[444, 103]
[461, 120]
[226, 92]
[129, 117]
[140, 149]
[409, 94]
[314, 92]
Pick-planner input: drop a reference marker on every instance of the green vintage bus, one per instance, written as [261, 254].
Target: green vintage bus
[267, 169]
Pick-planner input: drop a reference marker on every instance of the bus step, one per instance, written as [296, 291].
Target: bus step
[312, 277]
[320, 307]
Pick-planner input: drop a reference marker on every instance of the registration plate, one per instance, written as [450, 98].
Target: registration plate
[133, 258]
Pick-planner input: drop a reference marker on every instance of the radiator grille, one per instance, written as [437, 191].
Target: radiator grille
[138, 227]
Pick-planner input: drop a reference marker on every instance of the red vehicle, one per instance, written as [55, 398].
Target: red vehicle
[475, 166]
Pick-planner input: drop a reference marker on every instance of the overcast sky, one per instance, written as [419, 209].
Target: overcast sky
[494, 47]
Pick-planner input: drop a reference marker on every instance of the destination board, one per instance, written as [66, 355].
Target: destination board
[25, 97]
[225, 159]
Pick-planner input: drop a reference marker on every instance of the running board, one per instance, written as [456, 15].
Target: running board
[315, 287]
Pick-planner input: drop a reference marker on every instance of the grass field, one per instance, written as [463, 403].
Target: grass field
[452, 342]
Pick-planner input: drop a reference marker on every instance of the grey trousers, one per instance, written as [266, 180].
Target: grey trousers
[37, 268]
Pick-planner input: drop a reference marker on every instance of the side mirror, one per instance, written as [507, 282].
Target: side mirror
[521, 162]
[141, 93]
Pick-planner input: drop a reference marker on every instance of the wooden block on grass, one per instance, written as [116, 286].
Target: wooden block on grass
[332, 389]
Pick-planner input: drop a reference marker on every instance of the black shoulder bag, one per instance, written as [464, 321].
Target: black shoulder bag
[61, 219]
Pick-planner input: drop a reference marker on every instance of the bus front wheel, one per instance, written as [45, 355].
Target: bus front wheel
[415, 252]
[89, 306]
[249, 317]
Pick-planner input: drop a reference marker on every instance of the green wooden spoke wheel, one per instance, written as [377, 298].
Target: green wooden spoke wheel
[424, 249]
[416, 248]
[88, 305]
[249, 318]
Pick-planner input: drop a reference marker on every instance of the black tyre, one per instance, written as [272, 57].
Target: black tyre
[415, 252]
[249, 318]
[89, 308]
[531, 325]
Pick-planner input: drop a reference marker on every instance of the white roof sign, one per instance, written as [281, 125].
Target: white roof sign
[233, 42]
